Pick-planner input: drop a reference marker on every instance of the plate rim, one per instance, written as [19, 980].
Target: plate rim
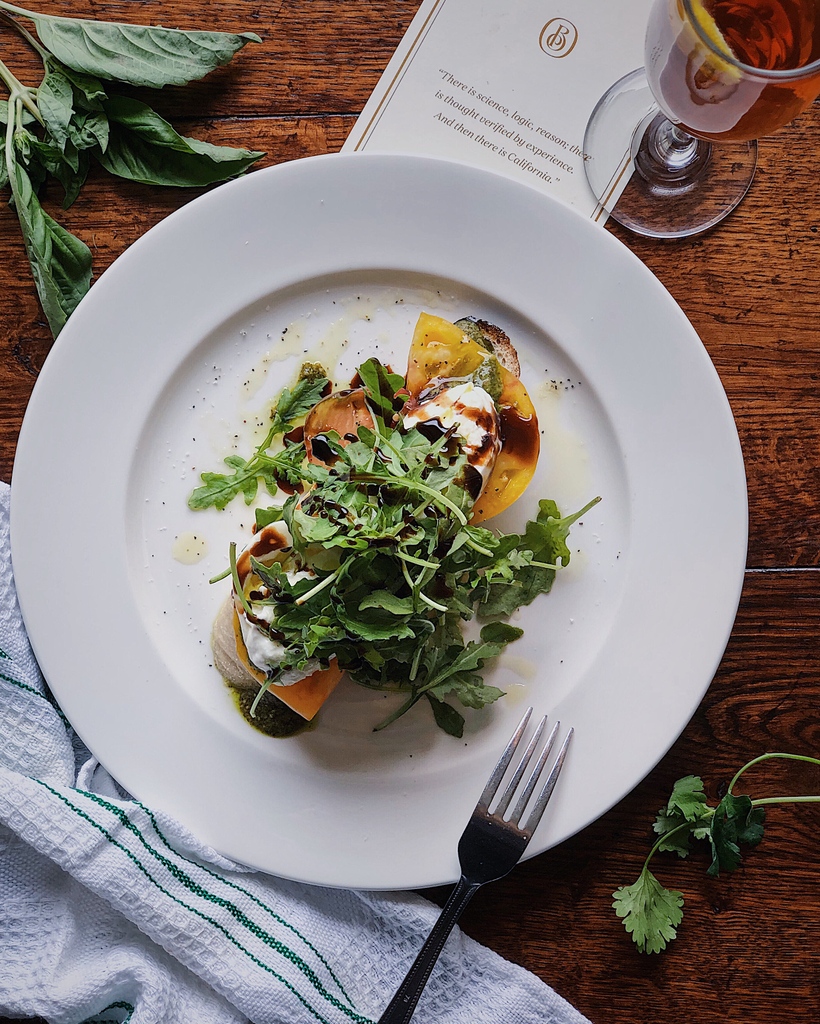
[280, 176]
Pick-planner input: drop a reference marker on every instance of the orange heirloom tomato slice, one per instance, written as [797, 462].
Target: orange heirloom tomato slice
[342, 411]
[441, 351]
[306, 696]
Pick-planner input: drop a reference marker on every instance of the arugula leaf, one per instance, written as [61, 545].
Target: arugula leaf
[266, 516]
[528, 568]
[500, 633]
[651, 913]
[469, 688]
[296, 403]
[389, 602]
[446, 716]
[219, 489]
[140, 55]
[382, 389]
[143, 147]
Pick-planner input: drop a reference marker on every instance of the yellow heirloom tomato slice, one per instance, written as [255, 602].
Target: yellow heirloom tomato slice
[441, 351]
[520, 446]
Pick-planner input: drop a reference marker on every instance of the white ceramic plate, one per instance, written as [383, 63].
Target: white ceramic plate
[173, 358]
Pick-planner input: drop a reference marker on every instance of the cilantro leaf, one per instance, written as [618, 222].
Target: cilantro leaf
[734, 822]
[688, 799]
[651, 913]
[686, 815]
[648, 910]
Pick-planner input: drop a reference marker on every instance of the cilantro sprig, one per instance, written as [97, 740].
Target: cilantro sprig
[650, 912]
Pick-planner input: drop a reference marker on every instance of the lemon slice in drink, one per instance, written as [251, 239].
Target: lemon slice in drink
[709, 28]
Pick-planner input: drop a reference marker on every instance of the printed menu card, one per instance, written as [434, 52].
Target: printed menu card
[505, 84]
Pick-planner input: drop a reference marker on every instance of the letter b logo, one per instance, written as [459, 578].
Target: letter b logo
[558, 37]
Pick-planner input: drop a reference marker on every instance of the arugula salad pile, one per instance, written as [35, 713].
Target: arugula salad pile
[395, 565]
[79, 115]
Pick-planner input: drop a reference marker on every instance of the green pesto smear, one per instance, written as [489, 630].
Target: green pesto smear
[271, 716]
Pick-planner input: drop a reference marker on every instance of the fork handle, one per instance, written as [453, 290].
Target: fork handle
[403, 1004]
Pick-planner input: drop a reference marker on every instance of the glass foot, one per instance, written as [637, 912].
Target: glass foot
[651, 176]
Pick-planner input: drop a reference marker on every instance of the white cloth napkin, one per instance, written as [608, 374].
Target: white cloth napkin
[110, 912]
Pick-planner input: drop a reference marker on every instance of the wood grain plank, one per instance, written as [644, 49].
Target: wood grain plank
[322, 57]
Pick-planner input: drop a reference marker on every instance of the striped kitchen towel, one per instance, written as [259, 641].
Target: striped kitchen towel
[111, 912]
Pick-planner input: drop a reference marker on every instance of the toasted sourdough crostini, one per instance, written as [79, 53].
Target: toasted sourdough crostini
[461, 390]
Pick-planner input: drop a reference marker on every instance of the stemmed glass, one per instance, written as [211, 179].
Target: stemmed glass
[718, 75]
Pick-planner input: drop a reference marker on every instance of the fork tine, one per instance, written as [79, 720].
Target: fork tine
[494, 780]
[532, 782]
[549, 786]
[504, 802]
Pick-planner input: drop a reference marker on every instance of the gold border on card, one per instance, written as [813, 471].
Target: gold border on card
[402, 68]
[614, 181]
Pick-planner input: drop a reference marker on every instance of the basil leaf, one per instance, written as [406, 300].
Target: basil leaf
[60, 263]
[55, 100]
[90, 129]
[88, 90]
[69, 166]
[143, 147]
[141, 55]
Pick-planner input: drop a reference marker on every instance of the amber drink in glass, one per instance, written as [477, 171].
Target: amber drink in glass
[716, 71]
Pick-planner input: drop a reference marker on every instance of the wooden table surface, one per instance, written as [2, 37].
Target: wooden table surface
[748, 951]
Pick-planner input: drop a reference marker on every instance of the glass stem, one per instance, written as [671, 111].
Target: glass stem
[665, 154]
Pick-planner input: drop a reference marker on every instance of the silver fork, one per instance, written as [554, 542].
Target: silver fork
[489, 849]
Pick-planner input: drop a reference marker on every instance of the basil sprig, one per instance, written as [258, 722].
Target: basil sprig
[76, 115]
